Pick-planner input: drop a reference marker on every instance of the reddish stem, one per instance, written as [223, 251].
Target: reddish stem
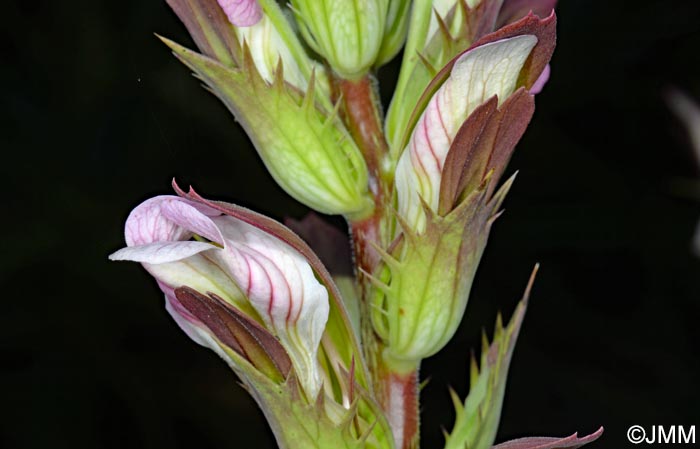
[396, 392]
[400, 404]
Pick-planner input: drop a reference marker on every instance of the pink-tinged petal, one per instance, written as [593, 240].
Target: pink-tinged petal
[161, 252]
[489, 70]
[158, 232]
[541, 81]
[546, 32]
[184, 319]
[242, 13]
[341, 334]
[282, 288]
[169, 218]
[242, 265]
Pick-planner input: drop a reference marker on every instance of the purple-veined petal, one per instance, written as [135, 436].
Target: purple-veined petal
[340, 334]
[169, 218]
[157, 233]
[479, 74]
[282, 288]
[541, 81]
[242, 13]
[258, 273]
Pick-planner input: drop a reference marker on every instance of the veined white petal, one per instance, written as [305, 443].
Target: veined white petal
[283, 289]
[161, 252]
[479, 74]
[253, 270]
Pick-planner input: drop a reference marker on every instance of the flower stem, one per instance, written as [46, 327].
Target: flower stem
[396, 390]
[398, 393]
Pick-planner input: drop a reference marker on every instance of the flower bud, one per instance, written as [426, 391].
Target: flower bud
[347, 33]
[478, 75]
[446, 183]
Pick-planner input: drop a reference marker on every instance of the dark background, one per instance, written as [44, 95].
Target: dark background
[98, 116]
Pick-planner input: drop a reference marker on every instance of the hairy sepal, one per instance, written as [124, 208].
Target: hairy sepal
[307, 151]
[348, 34]
[426, 280]
[218, 38]
[321, 424]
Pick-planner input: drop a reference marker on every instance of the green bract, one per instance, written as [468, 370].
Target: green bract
[347, 33]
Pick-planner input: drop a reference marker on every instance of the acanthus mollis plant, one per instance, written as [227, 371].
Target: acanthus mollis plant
[419, 188]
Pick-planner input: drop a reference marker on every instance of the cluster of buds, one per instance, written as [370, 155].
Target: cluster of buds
[420, 191]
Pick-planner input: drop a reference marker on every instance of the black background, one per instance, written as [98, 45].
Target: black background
[98, 116]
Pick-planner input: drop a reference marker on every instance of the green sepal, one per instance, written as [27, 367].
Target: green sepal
[346, 33]
[394, 30]
[209, 28]
[307, 151]
[423, 285]
[477, 419]
[322, 423]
